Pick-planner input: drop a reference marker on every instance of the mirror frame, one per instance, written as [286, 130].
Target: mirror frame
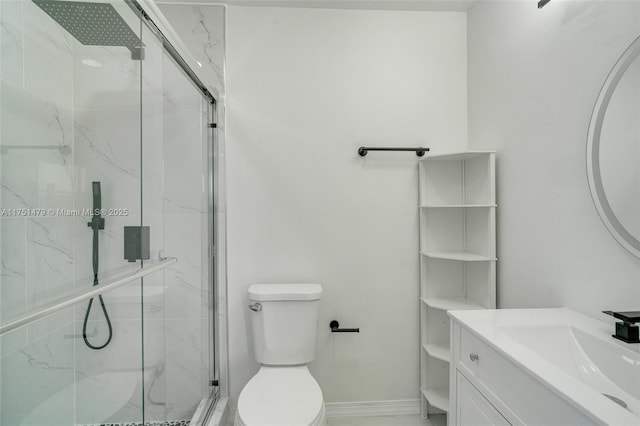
[624, 237]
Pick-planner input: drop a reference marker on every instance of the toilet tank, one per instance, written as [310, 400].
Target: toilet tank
[284, 322]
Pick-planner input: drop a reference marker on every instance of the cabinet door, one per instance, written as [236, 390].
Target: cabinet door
[473, 409]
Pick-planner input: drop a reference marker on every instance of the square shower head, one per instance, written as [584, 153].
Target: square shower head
[92, 24]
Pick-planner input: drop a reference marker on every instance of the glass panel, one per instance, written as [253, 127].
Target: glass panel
[180, 208]
[108, 382]
[49, 377]
[37, 372]
[70, 138]
[154, 311]
[95, 114]
[108, 126]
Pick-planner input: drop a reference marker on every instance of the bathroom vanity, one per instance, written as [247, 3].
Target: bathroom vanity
[540, 367]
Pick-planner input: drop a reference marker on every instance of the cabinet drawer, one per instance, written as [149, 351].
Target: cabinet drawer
[475, 409]
[519, 396]
[473, 351]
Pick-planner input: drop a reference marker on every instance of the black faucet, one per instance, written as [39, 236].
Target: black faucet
[627, 330]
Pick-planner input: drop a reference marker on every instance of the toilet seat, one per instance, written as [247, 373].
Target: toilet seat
[281, 396]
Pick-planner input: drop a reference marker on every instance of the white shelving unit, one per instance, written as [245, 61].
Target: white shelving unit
[457, 257]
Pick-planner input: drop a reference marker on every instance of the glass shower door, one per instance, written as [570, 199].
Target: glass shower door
[70, 181]
[105, 149]
[185, 142]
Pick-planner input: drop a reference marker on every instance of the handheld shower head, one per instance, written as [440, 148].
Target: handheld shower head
[97, 221]
[97, 196]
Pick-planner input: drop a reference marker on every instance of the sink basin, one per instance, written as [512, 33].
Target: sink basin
[602, 365]
[569, 352]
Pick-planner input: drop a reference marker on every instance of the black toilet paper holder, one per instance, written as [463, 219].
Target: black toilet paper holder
[335, 328]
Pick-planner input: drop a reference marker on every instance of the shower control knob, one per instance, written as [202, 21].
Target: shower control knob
[473, 357]
[256, 307]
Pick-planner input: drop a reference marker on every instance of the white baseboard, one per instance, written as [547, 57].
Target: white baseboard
[373, 408]
[364, 408]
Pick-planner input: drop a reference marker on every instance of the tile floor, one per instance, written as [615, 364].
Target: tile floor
[406, 420]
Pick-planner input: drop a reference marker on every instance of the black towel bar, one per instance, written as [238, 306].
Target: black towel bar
[363, 150]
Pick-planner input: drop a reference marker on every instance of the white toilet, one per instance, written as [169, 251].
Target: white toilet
[284, 322]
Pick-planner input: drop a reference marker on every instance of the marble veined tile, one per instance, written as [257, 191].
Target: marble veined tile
[13, 278]
[11, 41]
[49, 253]
[48, 56]
[185, 382]
[11, 342]
[36, 151]
[125, 83]
[184, 161]
[202, 30]
[107, 145]
[178, 90]
[119, 78]
[185, 290]
[36, 380]
[114, 373]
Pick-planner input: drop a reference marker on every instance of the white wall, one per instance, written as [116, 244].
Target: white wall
[534, 76]
[305, 88]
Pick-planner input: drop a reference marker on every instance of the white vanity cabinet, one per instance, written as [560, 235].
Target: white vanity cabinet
[473, 408]
[487, 388]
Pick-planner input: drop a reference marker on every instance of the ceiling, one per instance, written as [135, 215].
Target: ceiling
[428, 5]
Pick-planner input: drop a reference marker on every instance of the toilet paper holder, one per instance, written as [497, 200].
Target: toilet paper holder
[335, 328]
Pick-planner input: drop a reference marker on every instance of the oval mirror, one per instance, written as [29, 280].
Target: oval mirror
[613, 151]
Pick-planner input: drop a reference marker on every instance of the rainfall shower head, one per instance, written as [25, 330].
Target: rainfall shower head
[93, 24]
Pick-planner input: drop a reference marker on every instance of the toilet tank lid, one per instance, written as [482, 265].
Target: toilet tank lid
[265, 292]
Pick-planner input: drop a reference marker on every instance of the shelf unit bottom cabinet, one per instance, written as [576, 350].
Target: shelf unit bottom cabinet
[457, 258]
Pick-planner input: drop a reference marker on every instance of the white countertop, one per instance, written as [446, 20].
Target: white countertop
[537, 341]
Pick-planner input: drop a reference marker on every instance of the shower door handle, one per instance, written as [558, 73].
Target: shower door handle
[256, 307]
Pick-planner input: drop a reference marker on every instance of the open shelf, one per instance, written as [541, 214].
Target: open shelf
[451, 303]
[457, 216]
[438, 397]
[438, 351]
[458, 255]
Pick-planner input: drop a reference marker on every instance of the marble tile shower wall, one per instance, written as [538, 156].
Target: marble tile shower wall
[51, 97]
[201, 28]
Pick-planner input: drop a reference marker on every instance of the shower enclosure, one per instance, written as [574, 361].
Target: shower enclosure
[107, 196]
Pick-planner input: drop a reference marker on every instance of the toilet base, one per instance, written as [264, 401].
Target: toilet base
[321, 421]
[281, 396]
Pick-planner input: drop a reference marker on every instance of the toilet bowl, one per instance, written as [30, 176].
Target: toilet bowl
[284, 323]
[281, 396]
